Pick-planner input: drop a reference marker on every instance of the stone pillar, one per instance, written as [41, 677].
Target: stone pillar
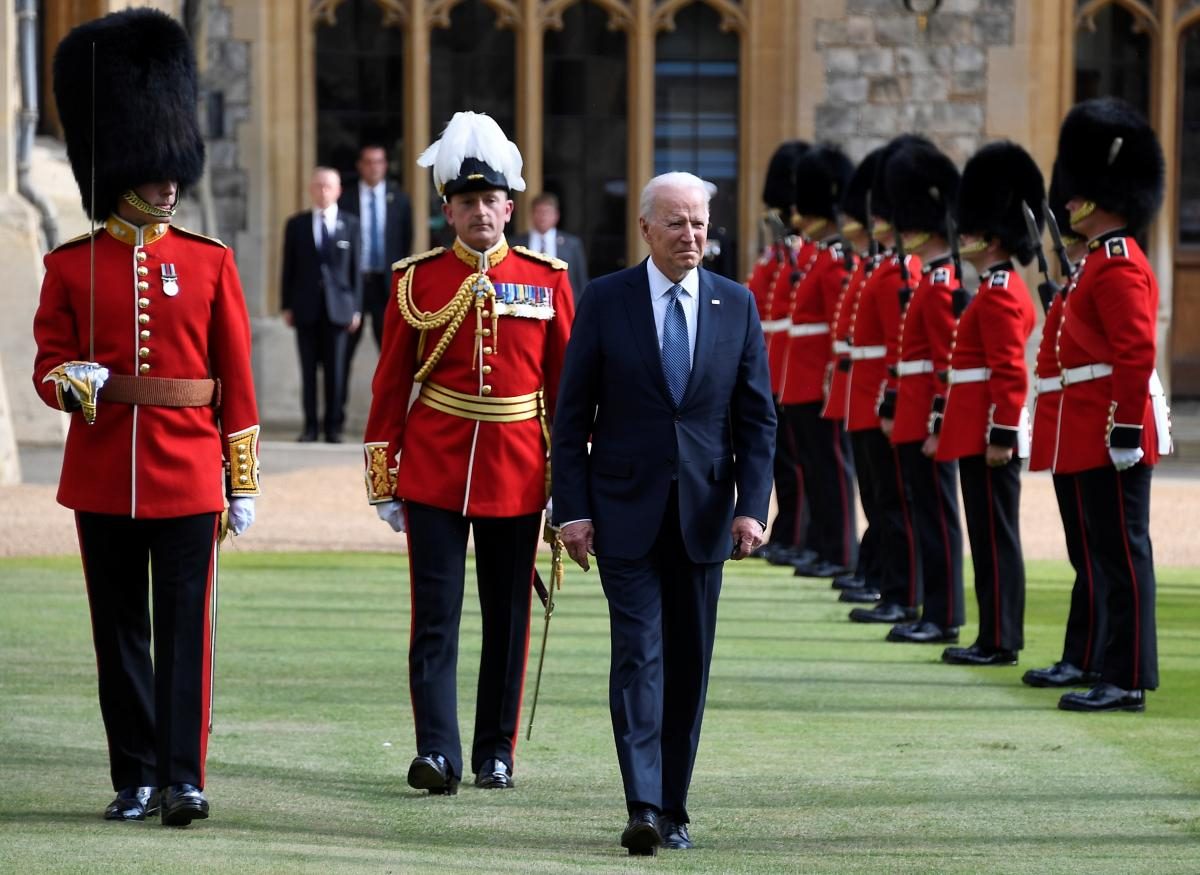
[640, 162]
[528, 134]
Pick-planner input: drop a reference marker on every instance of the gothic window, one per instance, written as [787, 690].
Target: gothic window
[1112, 57]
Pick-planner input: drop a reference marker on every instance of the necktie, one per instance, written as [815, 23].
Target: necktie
[677, 365]
[369, 231]
[324, 254]
[377, 256]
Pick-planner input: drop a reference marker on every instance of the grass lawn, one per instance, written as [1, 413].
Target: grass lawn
[825, 749]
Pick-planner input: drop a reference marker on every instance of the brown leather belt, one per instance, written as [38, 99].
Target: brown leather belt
[161, 391]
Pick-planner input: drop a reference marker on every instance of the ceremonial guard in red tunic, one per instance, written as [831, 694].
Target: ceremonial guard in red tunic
[1083, 644]
[824, 450]
[1113, 422]
[142, 335]
[481, 329]
[984, 424]
[873, 343]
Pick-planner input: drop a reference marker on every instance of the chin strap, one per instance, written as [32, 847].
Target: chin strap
[132, 198]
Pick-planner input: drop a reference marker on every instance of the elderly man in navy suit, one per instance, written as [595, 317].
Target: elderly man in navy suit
[666, 375]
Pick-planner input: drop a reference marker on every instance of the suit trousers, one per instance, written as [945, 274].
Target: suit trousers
[791, 519]
[991, 504]
[663, 617]
[828, 471]
[934, 492]
[375, 286]
[505, 548]
[156, 713]
[322, 343]
[1116, 518]
[1087, 619]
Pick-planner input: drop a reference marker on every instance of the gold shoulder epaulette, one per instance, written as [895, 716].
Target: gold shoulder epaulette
[409, 260]
[86, 235]
[556, 263]
[199, 236]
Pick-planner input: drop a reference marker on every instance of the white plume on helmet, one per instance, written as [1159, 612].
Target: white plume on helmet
[473, 135]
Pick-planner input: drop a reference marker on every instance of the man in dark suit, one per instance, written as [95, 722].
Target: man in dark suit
[666, 374]
[322, 297]
[544, 236]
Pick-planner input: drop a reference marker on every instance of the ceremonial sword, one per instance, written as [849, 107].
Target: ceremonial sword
[553, 536]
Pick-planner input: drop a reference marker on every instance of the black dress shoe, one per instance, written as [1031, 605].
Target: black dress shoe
[1061, 674]
[183, 803]
[333, 437]
[817, 568]
[133, 803]
[495, 775]
[431, 772]
[641, 836]
[978, 655]
[792, 555]
[307, 437]
[1104, 697]
[923, 632]
[864, 596]
[674, 834]
[848, 581]
[884, 612]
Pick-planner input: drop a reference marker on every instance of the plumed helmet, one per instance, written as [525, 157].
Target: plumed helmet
[141, 84]
[995, 182]
[1109, 154]
[780, 182]
[473, 154]
[821, 177]
[854, 198]
[881, 202]
[922, 184]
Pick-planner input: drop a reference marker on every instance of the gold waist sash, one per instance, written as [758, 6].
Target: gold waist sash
[481, 408]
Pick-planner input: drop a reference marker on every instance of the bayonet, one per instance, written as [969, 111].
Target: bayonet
[1047, 288]
[959, 296]
[1060, 248]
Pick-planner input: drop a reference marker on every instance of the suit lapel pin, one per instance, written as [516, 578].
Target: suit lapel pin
[170, 281]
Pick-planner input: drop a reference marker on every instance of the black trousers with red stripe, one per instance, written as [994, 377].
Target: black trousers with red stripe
[828, 469]
[156, 713]
[505, 549]
[887, 508]
[790, 528]
[933, 487]
[992, 503]
[1087, 619]
[1116, 518]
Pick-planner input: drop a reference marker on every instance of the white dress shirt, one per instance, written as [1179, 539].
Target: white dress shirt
[329, 216]
[547, 243]
[660, 286]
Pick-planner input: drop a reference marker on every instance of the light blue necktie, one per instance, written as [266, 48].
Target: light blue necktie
[676, 360]
[377, 234]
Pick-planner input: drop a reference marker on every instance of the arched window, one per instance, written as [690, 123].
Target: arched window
[1113, 56]
[1189, 137]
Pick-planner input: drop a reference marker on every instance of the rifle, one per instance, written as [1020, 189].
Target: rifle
[906, 290]
[1047, 288]
[959, 296]
[1060, 248]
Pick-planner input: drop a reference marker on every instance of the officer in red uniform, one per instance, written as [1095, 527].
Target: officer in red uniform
[1113, 423]
[828, 469]
[1083, 645]
[985, 424]
[152, 360]
[873, 343]
[481, 328]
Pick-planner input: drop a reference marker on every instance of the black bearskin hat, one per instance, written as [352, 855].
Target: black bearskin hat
[854, 198]
[1109, 154]
[995, 182]
[921, 183]
[779, 185]
[881, 202]
[146, 129]
[1058, 206]
[822, 174]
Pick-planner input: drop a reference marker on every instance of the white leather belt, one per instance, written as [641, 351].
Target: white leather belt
[840, 347]
[859, 353]
[1048, 384]
[774, 326]
[916, 366]
[1162, 414]
[1084, 373]
[969, 375]
[808, 329]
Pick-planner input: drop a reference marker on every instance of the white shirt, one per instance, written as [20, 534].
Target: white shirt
[367, 224]
[547, 243]
[329, 215]
[659, 298]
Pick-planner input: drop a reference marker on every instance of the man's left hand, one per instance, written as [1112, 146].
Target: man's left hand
[354, 323]
[241, 513]
[997, 457]
[929, 448]
[747, 536]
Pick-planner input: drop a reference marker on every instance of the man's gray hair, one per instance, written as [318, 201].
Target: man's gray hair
[674, 179]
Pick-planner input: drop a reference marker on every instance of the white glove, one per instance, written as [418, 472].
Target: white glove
[550, 511]
[241, 513]
[86, 372]
[392, 513]
[1125, 458]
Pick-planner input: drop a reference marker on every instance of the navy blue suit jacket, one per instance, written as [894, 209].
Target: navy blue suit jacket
[719, 442]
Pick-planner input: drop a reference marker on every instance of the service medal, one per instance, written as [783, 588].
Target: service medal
[170, 281]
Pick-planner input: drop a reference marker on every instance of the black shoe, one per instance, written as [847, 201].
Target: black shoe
[674, 834]
[133, 803]
[884, 612]
[333, 437]
[923, 632]
[1061, 674]
[1104, 697]
[792, 555]
[641, 836]
[864, 596]
[978, 655]
[771, 550]
[495, 775]
[848, 581]
[307, 436]
[432, 773]
[817, 568]
[183, 803]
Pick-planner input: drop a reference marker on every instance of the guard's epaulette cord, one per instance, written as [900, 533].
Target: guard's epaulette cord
[409, 260]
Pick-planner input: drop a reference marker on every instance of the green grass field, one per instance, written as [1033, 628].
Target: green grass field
[824, 749]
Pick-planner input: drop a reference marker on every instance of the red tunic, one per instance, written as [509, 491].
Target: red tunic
[1046, 402]
[763, 275]
[479, 468]
[1108, 319]
[780, 300]
[837, 396]
[142, 460]
[810, 348]
[991, 335]
[926, 334]
[876, 324]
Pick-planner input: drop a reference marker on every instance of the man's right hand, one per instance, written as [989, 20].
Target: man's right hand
[577, 538]
[288, 319]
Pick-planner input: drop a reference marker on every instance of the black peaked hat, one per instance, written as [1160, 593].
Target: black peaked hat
[881, 202]
[822, 174]
[780, 182]
[146, 129]
[921, 183]
[995, 182]
[1109, 154]
[854, 198]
